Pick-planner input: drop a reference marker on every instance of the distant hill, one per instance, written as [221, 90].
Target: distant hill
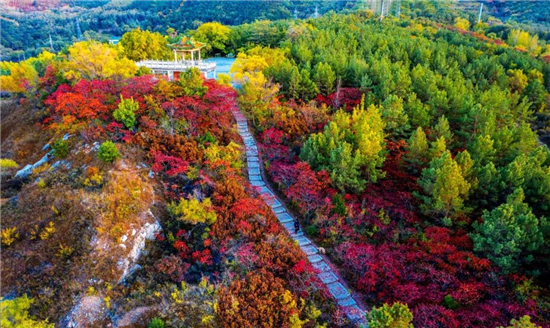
[68, 21]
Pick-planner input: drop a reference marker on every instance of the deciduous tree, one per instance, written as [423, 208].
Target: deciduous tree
[93, 60]
[192, 211]
[140, 45]
[396, 316]
[215, 35]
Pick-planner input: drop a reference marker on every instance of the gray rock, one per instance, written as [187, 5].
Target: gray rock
[27, 170]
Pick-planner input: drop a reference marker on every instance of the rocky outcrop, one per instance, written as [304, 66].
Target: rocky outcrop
[147, 232]
[88, 312]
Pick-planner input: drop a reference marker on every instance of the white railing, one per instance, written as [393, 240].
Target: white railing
[177, 66]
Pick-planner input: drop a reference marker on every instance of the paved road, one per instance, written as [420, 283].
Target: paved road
[326, 274]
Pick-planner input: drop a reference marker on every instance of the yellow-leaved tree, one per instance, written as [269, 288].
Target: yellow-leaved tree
[22, 77]
[141, 45]
[95, 60]
[214, 34]
[15, 313]
[230, 154]
[462, 24]
[256, 91]
[524, 41]
[192, 211]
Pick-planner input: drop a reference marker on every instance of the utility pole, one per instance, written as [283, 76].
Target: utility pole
[480, 11]
[382, 10]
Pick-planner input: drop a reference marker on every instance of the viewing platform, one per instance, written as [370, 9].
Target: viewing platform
[172, 69]
[185, 51]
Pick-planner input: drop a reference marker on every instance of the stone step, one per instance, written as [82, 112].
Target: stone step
[355, 313]
[284, 217]
[315, 259]
[257, 183]
[309, 249]
[347, 302]
[255, 177]
[289, 226]
[272, 202]
[321, 265]
[338, 290]
[278, 210]
[302, 241]
[266, 190]
[327, 277]
[294, 235]
[267, 196]
[253, 171]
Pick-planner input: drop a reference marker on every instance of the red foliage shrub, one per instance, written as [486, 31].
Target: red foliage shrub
[272, 136]
[434, 316]
[310, 188]
[259, 299]
[169, 165]
[348, 97]
[171, 267]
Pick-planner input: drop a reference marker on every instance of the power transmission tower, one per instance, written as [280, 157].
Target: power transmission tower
[480, 12]
[50, 34]
[51, 42]
[78, 31]
[398, 9]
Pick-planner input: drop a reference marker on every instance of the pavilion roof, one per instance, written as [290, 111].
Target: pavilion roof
[187, 43]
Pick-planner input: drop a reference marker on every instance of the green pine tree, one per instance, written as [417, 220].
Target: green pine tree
[417, 147]
[325, 78]
[509, 234]
[444, 187]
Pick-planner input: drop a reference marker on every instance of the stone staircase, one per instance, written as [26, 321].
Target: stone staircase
[327, 275]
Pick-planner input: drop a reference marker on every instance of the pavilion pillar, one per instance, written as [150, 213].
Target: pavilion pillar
[192, 57]
[199, 55]
[175, 56]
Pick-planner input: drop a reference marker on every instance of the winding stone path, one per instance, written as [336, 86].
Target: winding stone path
[326, 274]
